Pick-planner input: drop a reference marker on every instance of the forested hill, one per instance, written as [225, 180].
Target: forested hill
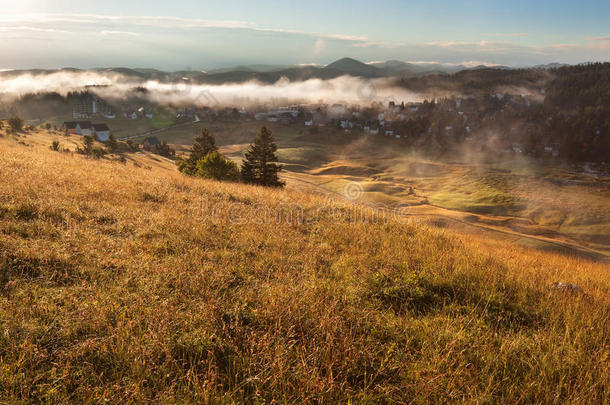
[580, 87]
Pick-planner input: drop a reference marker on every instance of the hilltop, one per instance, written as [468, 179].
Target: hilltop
[272, 73]
[123, 280]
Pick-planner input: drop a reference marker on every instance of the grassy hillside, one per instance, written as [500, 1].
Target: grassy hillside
[562, 203]
[128, 282]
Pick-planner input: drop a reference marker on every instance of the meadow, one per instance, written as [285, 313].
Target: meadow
[125, 281]
[540, 199]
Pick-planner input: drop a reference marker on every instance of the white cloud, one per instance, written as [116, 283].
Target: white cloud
[120, 22]
[124, 33]
[154, 38]
[601, 39]
[378, 44]
[32, 29]
[512, 34]
[318, 46]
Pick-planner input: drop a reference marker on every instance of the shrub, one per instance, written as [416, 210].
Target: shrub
[132, 146]
[16, 124]
[217, 167]
[185, 166]
[164, 149]
[55, 146]
[112, 145]
[87, 147]
[98, 153]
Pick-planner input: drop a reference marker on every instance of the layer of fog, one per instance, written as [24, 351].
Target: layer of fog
[345, 89]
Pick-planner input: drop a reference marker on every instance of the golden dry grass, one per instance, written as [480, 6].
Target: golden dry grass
[127, 283]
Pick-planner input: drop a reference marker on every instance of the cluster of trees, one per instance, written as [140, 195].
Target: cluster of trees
[89, 147]
[259, 166]
[163, 149]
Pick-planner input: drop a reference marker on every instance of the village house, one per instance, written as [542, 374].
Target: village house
[86, 128]
[102, 132]
[345, 124]
[78, 127]
[69, 127]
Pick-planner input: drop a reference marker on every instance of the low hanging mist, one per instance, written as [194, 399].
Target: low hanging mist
[184, 91]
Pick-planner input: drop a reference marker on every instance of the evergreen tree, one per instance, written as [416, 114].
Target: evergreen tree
[260, 165]
[217, 167]
[203, 145]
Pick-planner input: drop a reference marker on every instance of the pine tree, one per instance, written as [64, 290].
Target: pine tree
[202, 146]
[260, 166]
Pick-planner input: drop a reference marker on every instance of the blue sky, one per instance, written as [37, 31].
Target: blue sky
[211, 34]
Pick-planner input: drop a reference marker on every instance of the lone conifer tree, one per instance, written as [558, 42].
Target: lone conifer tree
[203, 145]
[260, 165]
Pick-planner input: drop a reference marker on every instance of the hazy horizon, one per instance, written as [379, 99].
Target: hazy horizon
[188, 35]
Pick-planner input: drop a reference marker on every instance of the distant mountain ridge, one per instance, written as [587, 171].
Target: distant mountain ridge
[273, 73]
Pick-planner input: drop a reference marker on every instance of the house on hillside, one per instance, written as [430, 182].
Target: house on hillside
[78, 127]
[84, 128]
[69, 127]
[102, 132]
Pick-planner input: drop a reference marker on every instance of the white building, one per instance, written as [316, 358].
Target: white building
[102, 132]
[84, 128]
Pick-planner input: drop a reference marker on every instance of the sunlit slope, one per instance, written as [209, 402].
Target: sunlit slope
[542, 197]
[130, 282]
